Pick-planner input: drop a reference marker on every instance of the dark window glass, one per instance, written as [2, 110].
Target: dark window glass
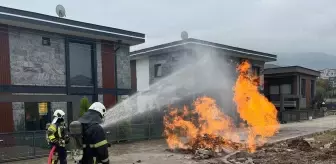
[80, 64]
[37, 115]
[303, 88]
[312, 87]
[256, 70]
[158, 70]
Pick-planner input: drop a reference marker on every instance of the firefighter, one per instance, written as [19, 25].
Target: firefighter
[95, 145]
[56, 136]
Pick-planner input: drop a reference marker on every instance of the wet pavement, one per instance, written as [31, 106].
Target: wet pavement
[153, 151]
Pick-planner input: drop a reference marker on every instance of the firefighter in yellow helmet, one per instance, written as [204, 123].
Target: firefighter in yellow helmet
[94, 141]
[56, 136]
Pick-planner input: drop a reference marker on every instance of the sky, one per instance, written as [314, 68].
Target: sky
[272, 26]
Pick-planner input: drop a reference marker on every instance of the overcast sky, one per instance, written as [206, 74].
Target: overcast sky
[274, 26]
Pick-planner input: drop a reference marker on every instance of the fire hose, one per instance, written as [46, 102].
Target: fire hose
[51, 154]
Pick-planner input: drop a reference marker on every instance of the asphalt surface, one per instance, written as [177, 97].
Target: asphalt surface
[153, 151]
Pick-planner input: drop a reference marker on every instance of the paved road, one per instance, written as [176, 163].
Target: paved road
[152, 152]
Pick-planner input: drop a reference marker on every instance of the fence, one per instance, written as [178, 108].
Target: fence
[27, 145]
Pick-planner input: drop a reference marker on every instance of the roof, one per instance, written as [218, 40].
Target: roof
[291, 69]
[182, 44]
[32, 20]
[270, 66]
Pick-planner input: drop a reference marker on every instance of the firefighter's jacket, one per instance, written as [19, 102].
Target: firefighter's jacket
[56, 134]
[95, 145]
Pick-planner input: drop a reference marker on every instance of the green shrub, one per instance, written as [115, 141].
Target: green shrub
[84, 105]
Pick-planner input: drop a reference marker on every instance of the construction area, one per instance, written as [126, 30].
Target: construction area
[305, 142]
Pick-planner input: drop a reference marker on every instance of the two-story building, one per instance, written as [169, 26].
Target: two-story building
[185, 76]
[50, 56]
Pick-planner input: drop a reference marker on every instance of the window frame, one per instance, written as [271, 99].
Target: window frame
[277, 88]
[256, 70]
[312, 88]
[91, 62]
[303, 85]
[156, 69]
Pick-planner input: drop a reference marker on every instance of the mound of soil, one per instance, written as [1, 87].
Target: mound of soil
[333, 145]
[300, 144]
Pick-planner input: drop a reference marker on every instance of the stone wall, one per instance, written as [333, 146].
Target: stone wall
[123, 68]
[33, 63]
[169, 62]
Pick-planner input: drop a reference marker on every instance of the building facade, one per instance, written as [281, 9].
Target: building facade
[46, 55]
[159, 61]
[180, 71]
[293, 81]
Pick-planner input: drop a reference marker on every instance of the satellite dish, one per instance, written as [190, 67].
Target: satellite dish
[60, 11]
[184, 35]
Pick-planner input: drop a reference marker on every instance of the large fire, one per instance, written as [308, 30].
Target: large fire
[207, 127]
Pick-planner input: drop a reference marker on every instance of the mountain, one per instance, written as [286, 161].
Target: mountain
[312, 60]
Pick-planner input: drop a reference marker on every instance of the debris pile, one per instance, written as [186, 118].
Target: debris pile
[300, 144]
[214, 143]
[208, 146]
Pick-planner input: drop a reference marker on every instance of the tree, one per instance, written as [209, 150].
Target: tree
[324, 83]
[322, 87]
[321, 93]
[84, 105]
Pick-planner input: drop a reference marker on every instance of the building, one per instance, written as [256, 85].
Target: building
[177, 59]
[296, 85]
[50, 56]
[159, 61]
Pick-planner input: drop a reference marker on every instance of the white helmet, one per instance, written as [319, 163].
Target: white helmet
[99, 107]
[58, 114]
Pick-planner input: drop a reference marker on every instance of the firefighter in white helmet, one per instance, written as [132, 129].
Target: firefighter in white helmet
[56, 136]
[94, 141]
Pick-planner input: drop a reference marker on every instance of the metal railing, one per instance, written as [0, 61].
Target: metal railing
[32, 144]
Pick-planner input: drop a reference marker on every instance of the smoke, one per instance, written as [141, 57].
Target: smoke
[202, 72]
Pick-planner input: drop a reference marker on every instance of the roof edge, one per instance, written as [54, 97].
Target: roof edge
[68, 21]
[295, 69]
[145, 51]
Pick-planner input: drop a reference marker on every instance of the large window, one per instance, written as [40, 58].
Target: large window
[286, 89]
[80, 56]
[37, 115]
[312, 88]
[274, 89]
[303, 88]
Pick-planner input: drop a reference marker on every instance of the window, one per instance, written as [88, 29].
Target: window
[274, 89]
[256, 70]
[312, 88]
[37, 115]
[45, 41]
[286, 89]
[303, 88]
[80, 64]
[158, 70]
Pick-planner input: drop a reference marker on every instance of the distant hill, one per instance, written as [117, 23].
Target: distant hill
[317, 61]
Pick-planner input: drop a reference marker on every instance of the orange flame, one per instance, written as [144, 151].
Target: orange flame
[185, 128]
[254, 108]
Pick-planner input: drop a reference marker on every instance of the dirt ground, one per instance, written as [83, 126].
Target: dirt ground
[154, 151]
[319, 149]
